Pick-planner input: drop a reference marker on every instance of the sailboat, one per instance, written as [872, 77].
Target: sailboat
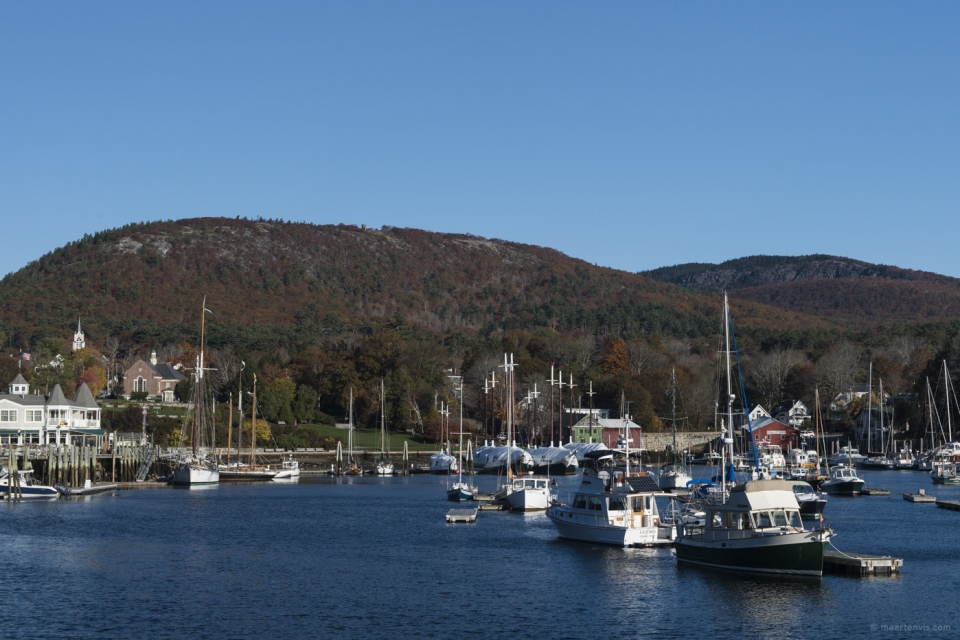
[384, 467]
[352, 468]
[673, 475]
[759, 527]
[881, 461]
[251, 471]
[461, 491]
[197, 468]
[945, 460]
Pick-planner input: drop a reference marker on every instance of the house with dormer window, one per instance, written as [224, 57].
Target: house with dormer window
[34, 418]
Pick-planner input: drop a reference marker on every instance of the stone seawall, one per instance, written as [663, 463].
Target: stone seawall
[686, 440]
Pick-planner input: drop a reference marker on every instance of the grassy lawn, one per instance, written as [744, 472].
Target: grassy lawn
[369, 439]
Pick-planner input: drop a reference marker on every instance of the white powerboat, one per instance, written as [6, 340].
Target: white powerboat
[611, 508]
[530, 493]
[28, 489]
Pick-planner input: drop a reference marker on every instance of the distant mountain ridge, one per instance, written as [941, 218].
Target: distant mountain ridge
[756, 271]
[828, 286]
[145, 281]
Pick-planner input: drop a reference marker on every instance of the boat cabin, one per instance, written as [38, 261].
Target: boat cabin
[754, 509]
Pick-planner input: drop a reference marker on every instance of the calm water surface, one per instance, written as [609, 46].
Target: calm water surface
[373, 558]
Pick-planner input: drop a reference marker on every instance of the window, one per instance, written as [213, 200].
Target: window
[594, 504]
[779, 518]
[745, 522]
[34, 415]
[139, 385]
[618, 503]
[715, 519]
[8, 415]
[580, 501]
[638, 505]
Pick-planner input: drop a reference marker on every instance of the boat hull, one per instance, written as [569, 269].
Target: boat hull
[673, 481]
[246, 476]
[848, 488]
[461, 493]
[792, 553]
[529, 500]
[596, 529]
[189, 476]
[32, 492]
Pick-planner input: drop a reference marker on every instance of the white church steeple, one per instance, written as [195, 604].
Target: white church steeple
[78, 340]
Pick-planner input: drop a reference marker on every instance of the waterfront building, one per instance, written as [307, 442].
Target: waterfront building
[157, 380]
[609, 431]
[34, 418]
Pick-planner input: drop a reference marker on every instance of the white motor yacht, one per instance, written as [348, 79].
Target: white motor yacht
[612, 508]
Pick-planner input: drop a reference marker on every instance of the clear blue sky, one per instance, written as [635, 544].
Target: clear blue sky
[630, 134]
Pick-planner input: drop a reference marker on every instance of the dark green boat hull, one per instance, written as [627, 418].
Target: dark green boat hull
[804, 558]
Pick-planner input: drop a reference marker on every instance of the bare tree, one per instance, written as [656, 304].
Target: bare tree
[699, 396]
[645, 357]
[902, 348]
[768, 373]
[169, 352]
[226, 366]
[835, 370]
[110, 349]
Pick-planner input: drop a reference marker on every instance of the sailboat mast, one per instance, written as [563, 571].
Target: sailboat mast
[253, 424]
[729, 435]
[869, 409]
[946, 386]
[239, 412]
[673, 410]
[460, 460]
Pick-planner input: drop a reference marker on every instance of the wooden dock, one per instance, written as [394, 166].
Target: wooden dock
[953, 505]
[920, 497]
[468, 516]
[86, 490]
[875, 492]
[860, 564]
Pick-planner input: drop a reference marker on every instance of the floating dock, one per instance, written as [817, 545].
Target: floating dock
[875, 492]
[921, 496]
[86, 490]
[492, 505]
[468, 516]
[860, 564]
[953, 505]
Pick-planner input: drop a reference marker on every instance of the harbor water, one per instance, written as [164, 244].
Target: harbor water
[374, 558]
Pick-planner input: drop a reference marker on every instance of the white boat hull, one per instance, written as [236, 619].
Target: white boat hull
[597, 528]
[674, 480]
[529, 500]
[192, 475]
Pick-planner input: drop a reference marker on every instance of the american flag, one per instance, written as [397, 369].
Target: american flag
[24, 356]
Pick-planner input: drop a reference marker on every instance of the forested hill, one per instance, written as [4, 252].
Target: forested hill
[850, 291]
[273, 283]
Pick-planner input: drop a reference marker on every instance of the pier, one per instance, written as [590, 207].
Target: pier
[920, 497]
[953, 505]
[859, 564]
[467, 516]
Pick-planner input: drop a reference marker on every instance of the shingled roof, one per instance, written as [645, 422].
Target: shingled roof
[85, 398]
[56, 397]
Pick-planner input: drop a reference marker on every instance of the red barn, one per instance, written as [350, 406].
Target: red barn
[768, 431]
